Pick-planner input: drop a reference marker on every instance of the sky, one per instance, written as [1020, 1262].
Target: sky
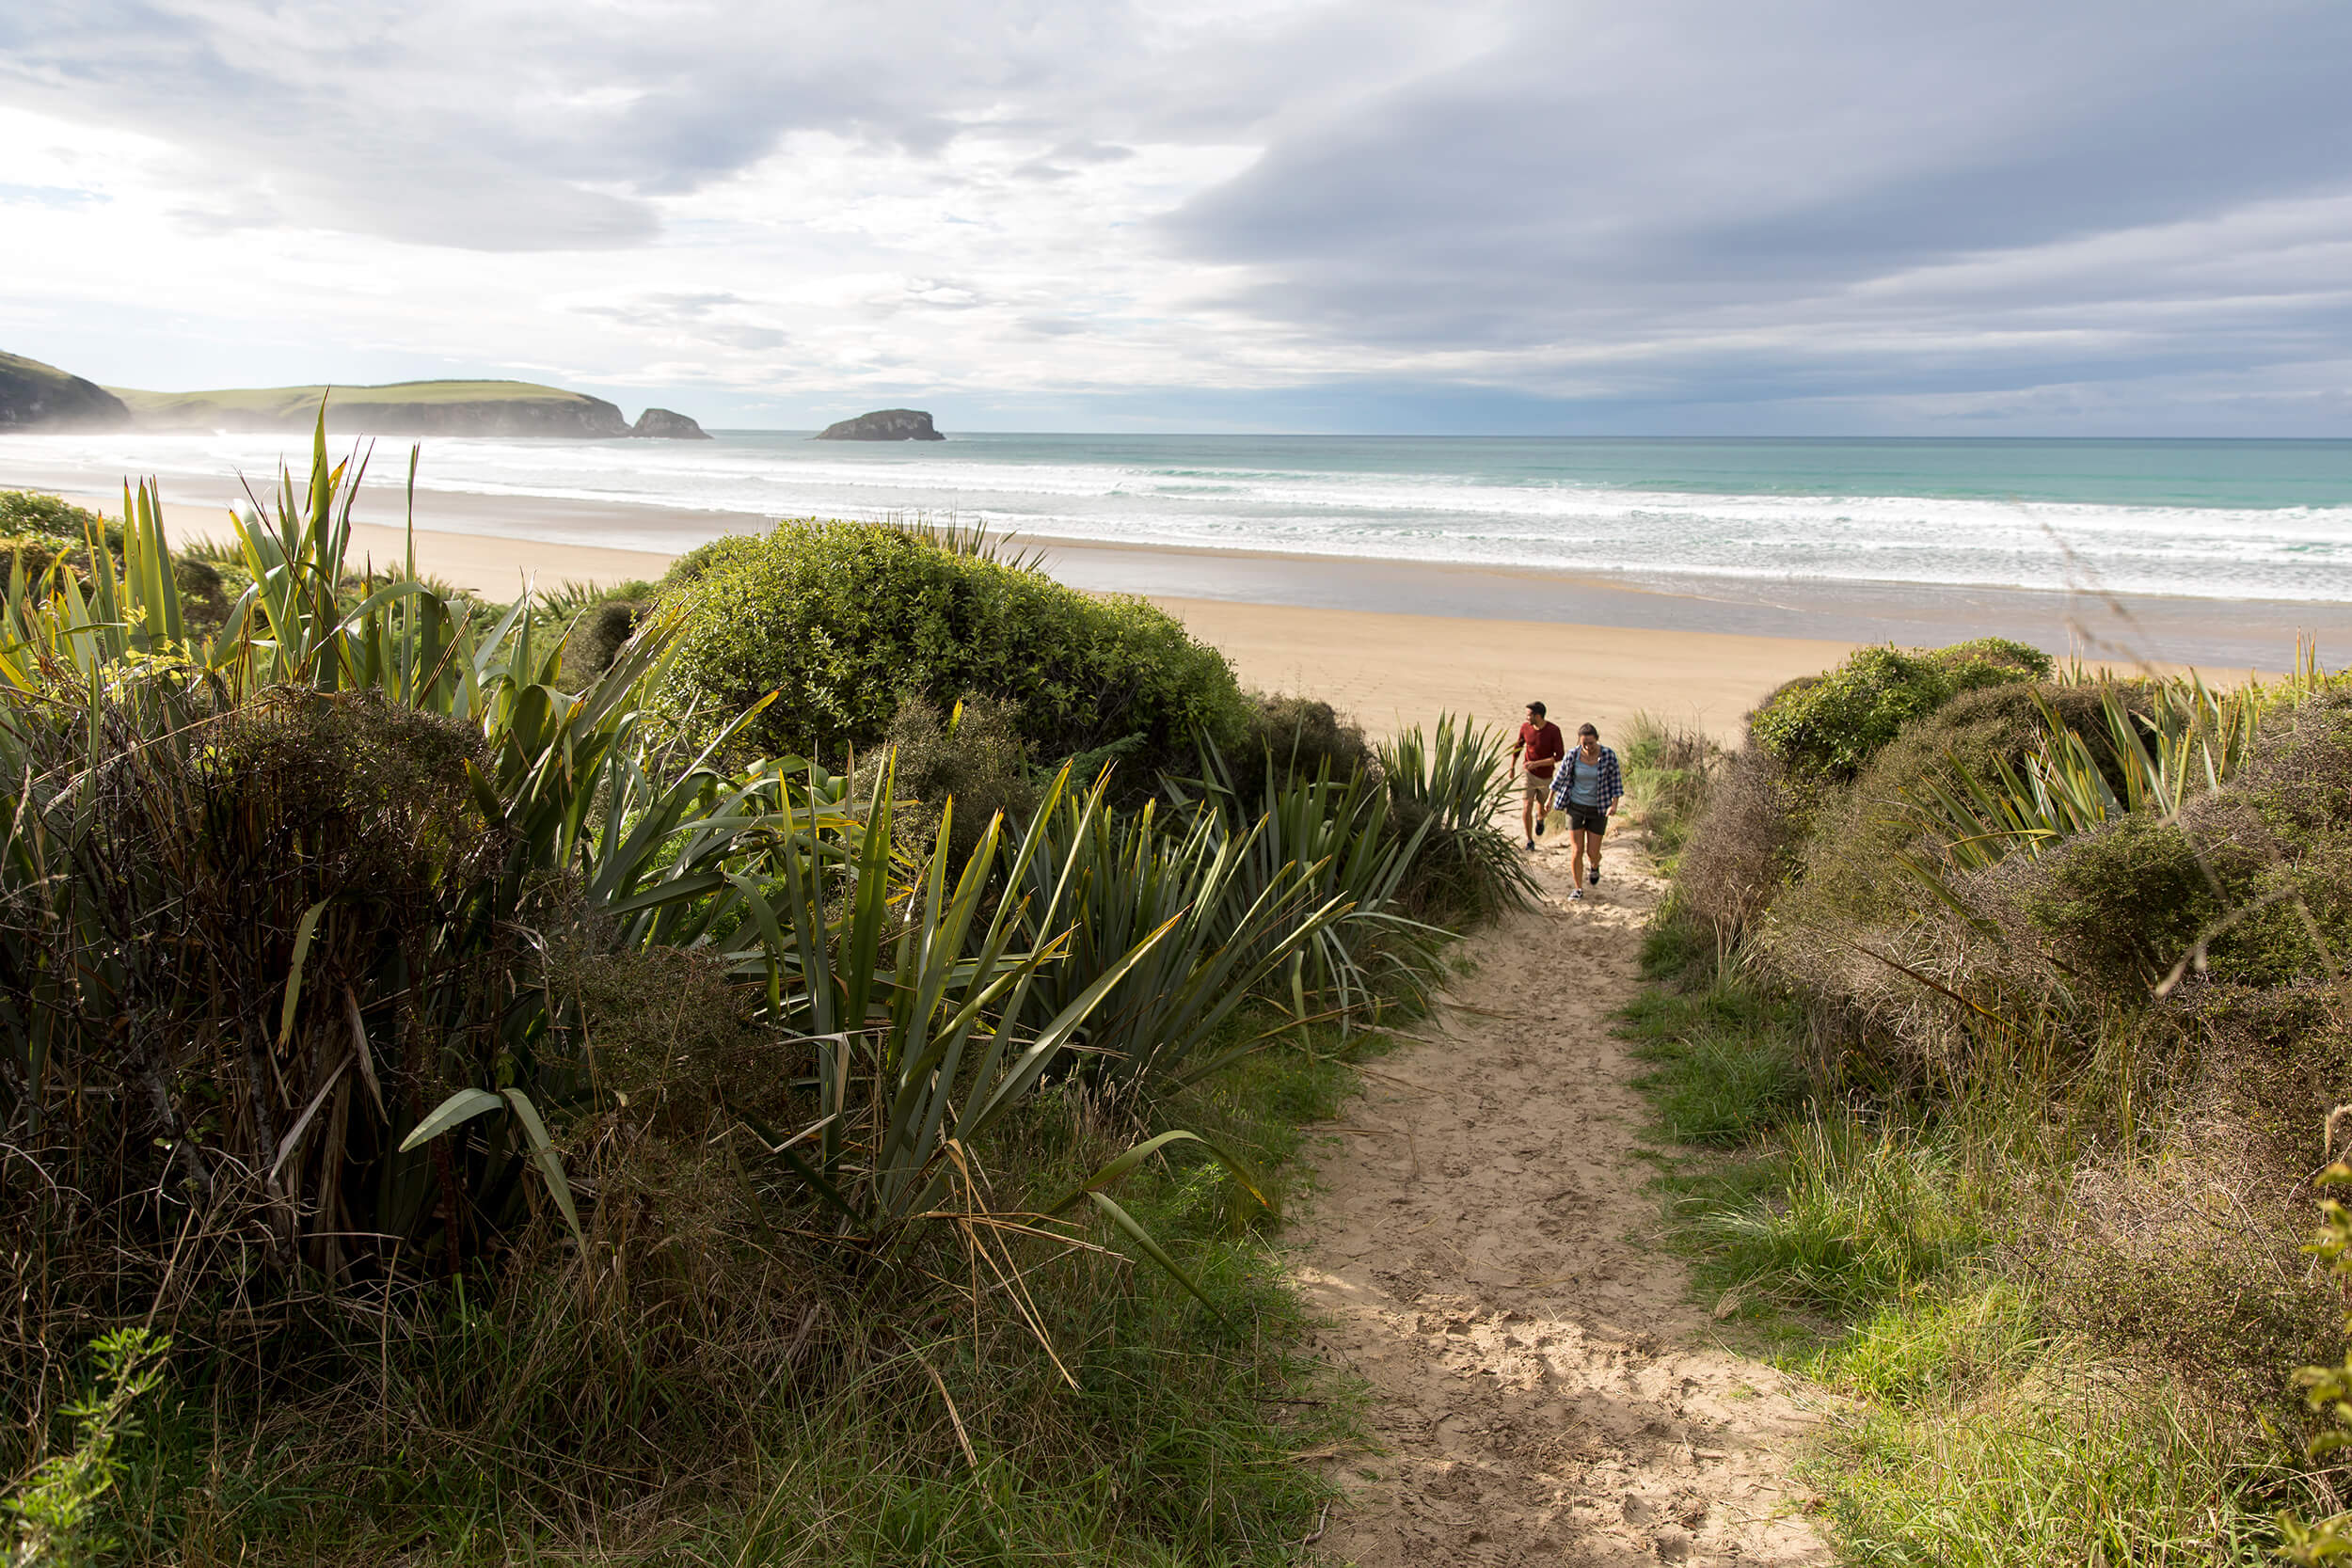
[2062, 217]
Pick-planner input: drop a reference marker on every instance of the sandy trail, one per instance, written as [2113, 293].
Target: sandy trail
[1543, 1389]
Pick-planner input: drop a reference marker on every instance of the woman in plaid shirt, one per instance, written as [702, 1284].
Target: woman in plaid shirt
[1587, 786]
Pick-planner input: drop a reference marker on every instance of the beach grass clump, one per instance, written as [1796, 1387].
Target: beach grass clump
[844, 621]
[1667, 773]
[2054, 967]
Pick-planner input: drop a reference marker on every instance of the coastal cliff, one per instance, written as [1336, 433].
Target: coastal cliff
[662, 424]
[883, 424]
[400, 408]
[34, 396]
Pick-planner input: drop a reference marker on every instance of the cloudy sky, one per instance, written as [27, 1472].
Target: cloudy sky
[1672, 217]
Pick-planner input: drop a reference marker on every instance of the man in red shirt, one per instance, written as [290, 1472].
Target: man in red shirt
[1542, 745]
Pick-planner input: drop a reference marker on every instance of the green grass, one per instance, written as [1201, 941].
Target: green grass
[1861, 1216]
[1724, 1069]
[1891, 1256]
[1175, 1446]
[301, 403]
[2056, 1465]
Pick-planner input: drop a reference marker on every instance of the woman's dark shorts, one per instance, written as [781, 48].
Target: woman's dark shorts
[1587, 819]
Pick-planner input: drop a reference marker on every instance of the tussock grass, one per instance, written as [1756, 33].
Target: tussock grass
[2078, 1468]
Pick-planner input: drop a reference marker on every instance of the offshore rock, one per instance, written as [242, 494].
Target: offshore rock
[34, 396]
[660, 424]
[883, 424]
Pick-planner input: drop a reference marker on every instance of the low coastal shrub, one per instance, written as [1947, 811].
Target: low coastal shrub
[1304, 737]
[33, 513]
[1667, 773]
[1844, 868]
[601, 623]
[844, 621]
[973, 753]
[1830, 726]
[1744, 844]
[2057, 1083]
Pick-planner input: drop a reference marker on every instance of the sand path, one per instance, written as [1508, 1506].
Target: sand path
[1479, 1252]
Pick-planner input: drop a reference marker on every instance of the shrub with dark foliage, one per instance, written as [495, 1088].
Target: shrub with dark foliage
[973, 754]
[1305, 736]
[597, 635]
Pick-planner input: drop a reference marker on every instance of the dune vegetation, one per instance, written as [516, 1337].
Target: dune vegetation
[2007, 1001]
[534, 1081]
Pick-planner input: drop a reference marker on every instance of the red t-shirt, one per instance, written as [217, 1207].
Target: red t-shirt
[1543, 747]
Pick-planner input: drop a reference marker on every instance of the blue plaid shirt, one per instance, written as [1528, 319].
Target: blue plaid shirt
[1564, 779]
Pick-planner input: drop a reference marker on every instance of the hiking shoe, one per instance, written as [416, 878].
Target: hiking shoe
[1530, 844]
[1539, 827]
[1575, 893]
[1593, 876]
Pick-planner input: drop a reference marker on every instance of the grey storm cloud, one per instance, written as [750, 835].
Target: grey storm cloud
[1642, 183]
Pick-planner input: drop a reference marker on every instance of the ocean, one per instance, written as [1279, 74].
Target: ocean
[2219, 519]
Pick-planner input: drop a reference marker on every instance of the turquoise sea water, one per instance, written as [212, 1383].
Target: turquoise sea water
[2219, 519]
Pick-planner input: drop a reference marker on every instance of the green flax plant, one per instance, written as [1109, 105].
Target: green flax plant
[1228, 936]
[2183, 739]
[1343, 845]
[1453, 779]
[930, 1006]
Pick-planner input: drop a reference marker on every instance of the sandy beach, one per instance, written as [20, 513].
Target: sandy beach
[1388, 669]
[1397, 644]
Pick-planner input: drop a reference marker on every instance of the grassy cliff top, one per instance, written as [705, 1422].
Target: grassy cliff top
[290, 401]
[34, 368]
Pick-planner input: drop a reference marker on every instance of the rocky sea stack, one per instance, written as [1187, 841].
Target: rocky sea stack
[883, 424]
[34, 396]
[660, 424]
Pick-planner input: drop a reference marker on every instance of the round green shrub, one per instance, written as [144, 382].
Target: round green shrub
[2122, 906]
[51, 517]
[1304, 737]
[1828, 726]
[845, 621]
[597, 635]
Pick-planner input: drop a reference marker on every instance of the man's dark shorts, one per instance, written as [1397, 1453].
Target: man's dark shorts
[1587, 819]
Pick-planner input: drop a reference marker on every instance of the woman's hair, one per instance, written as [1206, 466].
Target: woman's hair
[1584, 730]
